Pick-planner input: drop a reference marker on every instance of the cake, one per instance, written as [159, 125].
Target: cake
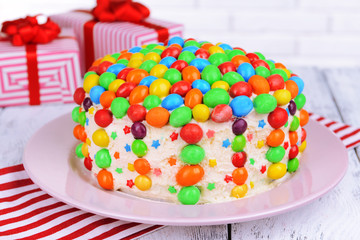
[190, 122]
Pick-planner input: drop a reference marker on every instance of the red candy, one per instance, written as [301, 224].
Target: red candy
[79, 95]
[179, 65]
[278, 118]
[125, 89]
[252, 56]
[240, 88]
[103, 67]
[181, 88]
[123, 73]
[303, 134]
[93, 69]
[227, 67]
[221, 113]
[239, 159]
[136, 113]
[191, 133]
[258, 63]
[171, 52]
[202, 53]
[88, 163]
[294, 151]
[276, 82]
[103, 118]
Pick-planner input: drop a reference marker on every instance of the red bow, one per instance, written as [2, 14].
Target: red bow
[120, 10]
[28, 30]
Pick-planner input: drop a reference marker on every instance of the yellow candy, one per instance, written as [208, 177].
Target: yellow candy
[134, 63]
[114, 85]
[239, 191]
[282, 96]
[276, 170]
[160, 47]
[287, 72]
[160, 87]
[88, 141]
[302, 146]
[100, 138]
[91, 81]
[218, 43]
[152, 56]
[201, 112]
[138, 56]
[158, 71]
[84, 150]
[215, 49]
[143, 182]
[108, 58]
[221, 84]
[212, 162]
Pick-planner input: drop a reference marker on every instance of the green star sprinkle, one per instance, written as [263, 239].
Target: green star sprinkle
[211, 186]
[172, 189]
[113, 135]
[252, 161]
[286, 124]
[119, 170]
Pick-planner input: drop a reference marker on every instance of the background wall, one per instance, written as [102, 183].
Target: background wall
[323, 33]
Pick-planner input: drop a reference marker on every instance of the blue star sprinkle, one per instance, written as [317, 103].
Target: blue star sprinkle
[155, 144]
[226, 143]
[287, 110]
[127, 148]
[261, 124]
[87, 122]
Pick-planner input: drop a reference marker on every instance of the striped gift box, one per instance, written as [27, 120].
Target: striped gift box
[109, 38]
[58, 71]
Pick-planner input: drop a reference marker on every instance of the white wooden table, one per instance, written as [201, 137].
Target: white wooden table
[336, 215]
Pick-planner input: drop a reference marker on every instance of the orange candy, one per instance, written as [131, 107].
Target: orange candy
[105, 179]
[293, 137]
[275, 138]
[189, 175]
[304, 117]
[157, 117]
[291, 86]
[280, 66]
[76, 131]
[79, 133]
[176, 45]
[126, 55]
[193, 97]
[97, 62]
[239, 176]
[106, 98]
[259, 84]
[206, 46]
[136, 75]
[138, 94]
[190, 74]
[239, 59]
[142, 166]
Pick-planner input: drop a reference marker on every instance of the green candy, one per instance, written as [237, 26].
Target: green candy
[294, 124]
[78, 151]
[189, 195]
[106, 78]
[275, 154]
[293, 165]
[280, 72]
[89, 73]
[232, 77]
[186, 56]
[262, 71]
[116, 55]
[75, 114]
[151, 101]
[82, 118]
[172, 75]
[103, 158]
[139, 148]
[218, 58]
[151, 46]
[144, 51]
[262, 57]
[123, 61]
[148, 65]
[271, 64]
[191, 43]
[211, 74]
[180, 116]
[300, 101]
[265, 103]
[215, 97]
[157, 50]
[119, 107]
[192, 154]
[239, 143]
[234, 53]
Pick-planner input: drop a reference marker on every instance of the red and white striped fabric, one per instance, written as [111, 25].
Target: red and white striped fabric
[26, 212]
[58, 69]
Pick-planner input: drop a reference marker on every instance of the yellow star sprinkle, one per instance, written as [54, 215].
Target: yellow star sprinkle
[131, 167]
[251, 184]
[260, 144]
[91, 110]
[212, 162]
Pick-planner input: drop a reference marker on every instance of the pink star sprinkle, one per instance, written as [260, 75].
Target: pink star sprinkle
[249, 137]
[126, 129]
[174, 136]
[210, 133]
[157, 171]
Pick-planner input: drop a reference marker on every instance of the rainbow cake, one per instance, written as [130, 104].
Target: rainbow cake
[190, 122]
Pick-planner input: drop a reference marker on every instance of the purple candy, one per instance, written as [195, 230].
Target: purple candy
[292, 107]
[87, 103]
[239, 126]
[138, 130]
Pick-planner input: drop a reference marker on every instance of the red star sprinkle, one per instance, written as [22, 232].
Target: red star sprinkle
[263, 169]
[172, 161]
[174, 136]
[116, 155]
[228, 178]
[286, 145]
[130, 183]
[210, 133]
[157, 171]
[126, 129]
[249, 137]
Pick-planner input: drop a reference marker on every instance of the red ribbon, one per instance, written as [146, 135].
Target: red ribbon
[33, 74]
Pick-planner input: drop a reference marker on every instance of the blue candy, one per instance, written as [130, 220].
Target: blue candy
[116, 68]
[225, 46]
[241, 106]
[246, 70]
[299, 82]
[192, 49]
[147, 81]
[202, 85]
[167, 61]
[172, 101]
[134, 49]
[95, 93]
[199, 63]
[176, 40]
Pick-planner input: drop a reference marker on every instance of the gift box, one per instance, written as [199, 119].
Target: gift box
[39, 73]
[97, 39]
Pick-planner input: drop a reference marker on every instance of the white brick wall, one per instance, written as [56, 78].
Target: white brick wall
[297, 32]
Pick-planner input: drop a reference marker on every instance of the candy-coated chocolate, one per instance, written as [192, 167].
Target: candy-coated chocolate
[241, 106]
[123, 73]
[103, 158]
[239, 143]
[82, 118]
[221, 84]
[201, 113]
[147, 81]
[147, 65]
[79, 95]
[103, 118]
[87, 104]
[293, 152]
[179, 65]
[106, 98]
[227, 67]
[215, 97]
[158, 70]
[160, 87]
[103, 67]
[171, 52]
[202, 53]
[275, 154]
[105, 179]
[265, 103]
[95, 94]
[151, 101]
[75, 114]
[186, 56]
[302, 146]
[262, 71]
[136, 113]
[192, 154]
[276, 170]
[218, 58]
[295, 123]
[190, 74]
[239, 175]
[119, 107]
[142, 166]
[138, 130]
[303, 134]
[192, 49]
[239, 159]
[304, 117]
[239, 126]
[189, 195]
[191, 133]
[78, 151]
[157, 117]
[275, 138]
[100, 138]
[291, 86]
[281, 72]
[138, 94]
[276, 82]
[293, 137]
[211, 74]
[292, 165]
[180, 116]
[240, 88]
[199, 63]
[246, 70]
[181, 88]
[167, 61]
[202, 85]
[299, 82]
[189, 175]
[139, 148]
[292, 107]
[239, 191]
[172, 101]
[232, 77]
[262, 63]
[300, 101]
[125, 89]
[193, 97]
[278, 118]
[143, 182]
[282, 96]
[176, 40]
[221, 113]
[259, 84]
[88, 163]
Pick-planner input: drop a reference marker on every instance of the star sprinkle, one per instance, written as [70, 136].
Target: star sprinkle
[211, 186]
[155, 144]
[172, 189]
[251, 184]
[88, 141]
[260, 144]
[87, 122]
[226, 143]
[212, 162]
[116, 155]
[114, 135]
[287, 110]
[174, 136]
[172, 161]
[263, 169]
[127, 148]
[131, 167]
[286, 145]
[286, 124]
[127, 130]
[157, 171]
[119, 170]
[130, 183]
[249, 137]
[228, 178]
[261, 123]
[252, 161]
[91, 110]
[210, 133]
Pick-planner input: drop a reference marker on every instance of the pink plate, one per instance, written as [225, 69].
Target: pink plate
[49, 160]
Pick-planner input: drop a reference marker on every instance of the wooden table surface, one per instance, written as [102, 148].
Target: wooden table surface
[333, 93]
